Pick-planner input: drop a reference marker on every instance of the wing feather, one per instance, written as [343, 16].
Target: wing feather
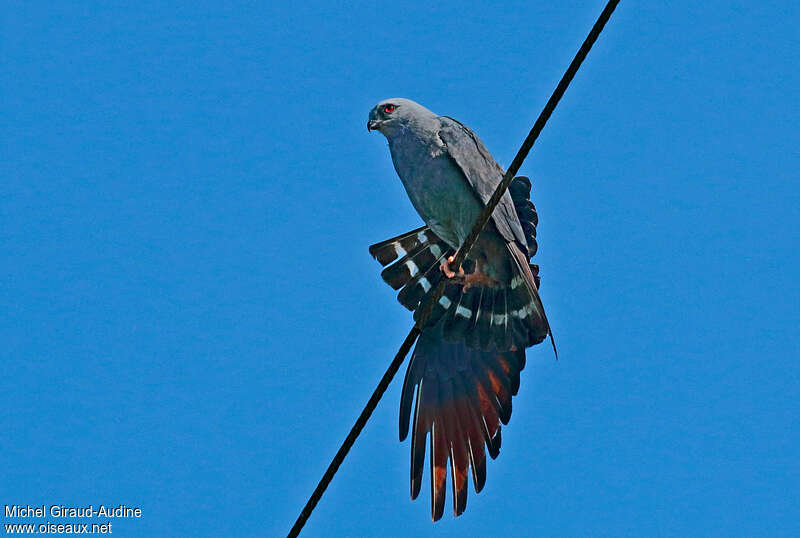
[483, 174]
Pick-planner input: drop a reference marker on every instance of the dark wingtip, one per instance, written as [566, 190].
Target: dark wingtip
[460, 502]
[437, 510]
[479, 473]
[406, 396]
[552, 341]
[438, 461]
[493, 445]
[416, 486]
[520, 188]
[373, 250]
[505, 412]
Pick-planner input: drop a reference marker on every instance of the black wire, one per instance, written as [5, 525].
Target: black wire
[458, 260]
[354, 431]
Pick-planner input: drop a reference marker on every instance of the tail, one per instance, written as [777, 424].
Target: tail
[463, 395]
[491, 318]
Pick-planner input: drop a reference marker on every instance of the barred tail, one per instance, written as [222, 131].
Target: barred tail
[501, 318]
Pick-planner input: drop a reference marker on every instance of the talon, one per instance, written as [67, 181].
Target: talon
[449, 273]
[445, 267]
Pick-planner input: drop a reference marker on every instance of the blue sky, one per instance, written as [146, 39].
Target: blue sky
[191, 320]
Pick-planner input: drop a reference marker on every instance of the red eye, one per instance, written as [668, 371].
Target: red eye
[388, 109]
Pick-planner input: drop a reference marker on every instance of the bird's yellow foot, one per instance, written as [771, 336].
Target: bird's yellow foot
[449, 273]
[475, 278]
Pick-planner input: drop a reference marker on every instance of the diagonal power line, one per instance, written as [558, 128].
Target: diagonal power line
[458, 260]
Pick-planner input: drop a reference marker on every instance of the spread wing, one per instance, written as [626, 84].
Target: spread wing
[483, 173]
[463, 397]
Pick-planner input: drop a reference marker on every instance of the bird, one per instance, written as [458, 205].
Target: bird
[466, 363]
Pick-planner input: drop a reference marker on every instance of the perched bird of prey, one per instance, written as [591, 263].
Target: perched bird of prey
[466, 364]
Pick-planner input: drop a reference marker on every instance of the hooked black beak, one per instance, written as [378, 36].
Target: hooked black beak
[373, 124]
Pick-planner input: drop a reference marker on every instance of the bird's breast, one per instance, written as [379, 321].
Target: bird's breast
[437, 188]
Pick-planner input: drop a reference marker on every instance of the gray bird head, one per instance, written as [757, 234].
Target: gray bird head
[393, 116]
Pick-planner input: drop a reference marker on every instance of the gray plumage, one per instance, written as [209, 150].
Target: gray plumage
[446, 170]
[465, 367]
